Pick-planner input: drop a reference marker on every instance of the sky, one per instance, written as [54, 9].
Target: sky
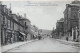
[43, 14]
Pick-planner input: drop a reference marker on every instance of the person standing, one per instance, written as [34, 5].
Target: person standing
[67, 38]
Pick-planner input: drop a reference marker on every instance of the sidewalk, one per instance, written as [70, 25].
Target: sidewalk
[11, 46]
[69, 42]
[0, 49]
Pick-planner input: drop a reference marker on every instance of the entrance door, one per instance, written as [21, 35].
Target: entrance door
[9, 36]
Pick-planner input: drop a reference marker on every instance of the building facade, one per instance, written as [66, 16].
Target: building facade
[60, 28]
[0, 23]
[12, 28]
[71, 21]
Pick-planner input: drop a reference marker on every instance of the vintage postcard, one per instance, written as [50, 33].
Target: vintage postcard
[40, 26]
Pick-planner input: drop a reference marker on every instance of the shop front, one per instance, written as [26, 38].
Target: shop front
[22, 36]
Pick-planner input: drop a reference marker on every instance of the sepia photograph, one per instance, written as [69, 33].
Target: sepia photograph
[40, 26]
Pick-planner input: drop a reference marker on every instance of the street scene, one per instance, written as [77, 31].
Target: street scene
[40, 26]
[45, 45]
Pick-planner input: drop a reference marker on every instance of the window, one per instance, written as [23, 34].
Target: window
[9, 24]
[3, 19]
[25, 23]
[13, 25]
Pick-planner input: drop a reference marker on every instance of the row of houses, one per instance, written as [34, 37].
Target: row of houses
[14, 27]
[69, 26]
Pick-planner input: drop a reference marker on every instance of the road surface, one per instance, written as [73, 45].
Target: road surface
[45, 45]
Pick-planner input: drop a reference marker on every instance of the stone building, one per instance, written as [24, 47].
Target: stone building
[0, 23]
[71, 20]
[32, 31]
[27, 24]
[60, 28]
[12, 29]
[35, 30]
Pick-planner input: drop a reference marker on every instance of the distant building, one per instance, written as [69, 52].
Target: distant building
[44, 33]
[60, 28]
[35, 30]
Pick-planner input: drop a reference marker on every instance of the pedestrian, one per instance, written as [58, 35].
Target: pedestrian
[11, 40]
[67, 38]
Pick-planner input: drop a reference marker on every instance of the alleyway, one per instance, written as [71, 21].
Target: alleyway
[45, 45]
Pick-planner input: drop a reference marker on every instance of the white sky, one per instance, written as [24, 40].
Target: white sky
[44, 17]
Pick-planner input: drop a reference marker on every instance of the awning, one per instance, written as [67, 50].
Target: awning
[22, 33]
